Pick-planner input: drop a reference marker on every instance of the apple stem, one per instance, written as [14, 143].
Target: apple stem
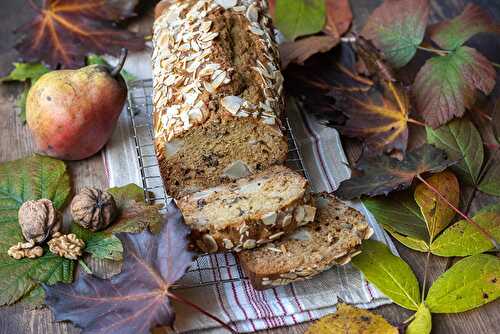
[123, 56]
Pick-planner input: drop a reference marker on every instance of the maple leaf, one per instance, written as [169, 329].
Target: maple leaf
[397, 27]
[383, 174]
[374, 109]
[138, 298]
[446, 85]
[63, 32]
[451, 34]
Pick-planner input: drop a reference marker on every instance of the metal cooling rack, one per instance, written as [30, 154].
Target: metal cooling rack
[208, 269]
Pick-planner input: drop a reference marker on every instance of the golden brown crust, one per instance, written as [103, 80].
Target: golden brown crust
[215, 69]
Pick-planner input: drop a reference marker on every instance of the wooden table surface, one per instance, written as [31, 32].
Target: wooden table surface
[16, 142]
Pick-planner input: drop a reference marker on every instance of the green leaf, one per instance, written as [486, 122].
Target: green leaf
[397, 28]
[490, 183]
[446, 85]
[469, 283]
[462, 142]
[134, 214]
[437, 213]
[98, 60]
[25, 72]
[126, 193]
[388, 273]
[412, 243]
[463, 239]
[451, 34]
[399, 213]
[296, 18]
[422, 324]
[35, 298]
[99, 244]
[21, 103]
[495, 208]
[21, 180]
[19, 277]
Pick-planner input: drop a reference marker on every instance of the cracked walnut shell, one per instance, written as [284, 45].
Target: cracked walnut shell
[66, 245]
[39, 220]
[93, 209]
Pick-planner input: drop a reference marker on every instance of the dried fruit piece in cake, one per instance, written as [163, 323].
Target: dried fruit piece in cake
[248, 212]
[333, 238]
[217, 93]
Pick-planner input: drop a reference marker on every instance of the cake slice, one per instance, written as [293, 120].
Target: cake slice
[248, 212]
[333, 238]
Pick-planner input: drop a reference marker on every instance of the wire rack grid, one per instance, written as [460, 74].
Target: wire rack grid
[208, 269]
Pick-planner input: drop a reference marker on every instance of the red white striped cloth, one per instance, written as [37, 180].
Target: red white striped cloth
[238, 303]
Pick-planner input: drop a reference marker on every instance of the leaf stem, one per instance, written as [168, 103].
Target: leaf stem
[469, 220]
[414, 121]
[200, 309]
[409, 319]
[85, 267]
[435, 51]
[426, 274]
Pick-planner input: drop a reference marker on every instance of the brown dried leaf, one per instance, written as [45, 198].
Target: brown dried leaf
[63, 32]
[299, 51]
[137, 299]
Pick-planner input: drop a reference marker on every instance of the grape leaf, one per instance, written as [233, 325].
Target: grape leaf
[63, 32]
[437, 213]
[469, 283]
[383, 174]
[397, 27]
[388, 273]
[490, 183]
[138, 298]
[463, 239]
[446, 85]
[461, 141]
[352, 320]
[31, 178]
[422, 324]
[99, 244]
[398, 212]
[451, 34]
[296, 18]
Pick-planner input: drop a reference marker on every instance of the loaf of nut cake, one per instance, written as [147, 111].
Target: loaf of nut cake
[217, 93]
[332, 239]
[249, 212]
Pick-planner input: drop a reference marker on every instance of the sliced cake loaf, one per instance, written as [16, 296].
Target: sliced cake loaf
[248, 212]
[217, 93]
[333, 238]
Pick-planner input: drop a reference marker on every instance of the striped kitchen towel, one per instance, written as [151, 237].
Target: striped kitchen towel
[236, 302]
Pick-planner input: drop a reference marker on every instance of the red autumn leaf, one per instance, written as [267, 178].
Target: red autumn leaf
[445, 86]
[299, 51]
[338, 17]
[138, 298]
[451, 34]
[397, 27]
[374, 109]
[63, 32]
[383, 174]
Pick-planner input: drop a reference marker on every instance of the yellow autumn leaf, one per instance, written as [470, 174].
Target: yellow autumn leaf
[437, 213]
[351, 320]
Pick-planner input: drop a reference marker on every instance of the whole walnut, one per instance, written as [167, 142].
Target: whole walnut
[93, 209]
[39, 220]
